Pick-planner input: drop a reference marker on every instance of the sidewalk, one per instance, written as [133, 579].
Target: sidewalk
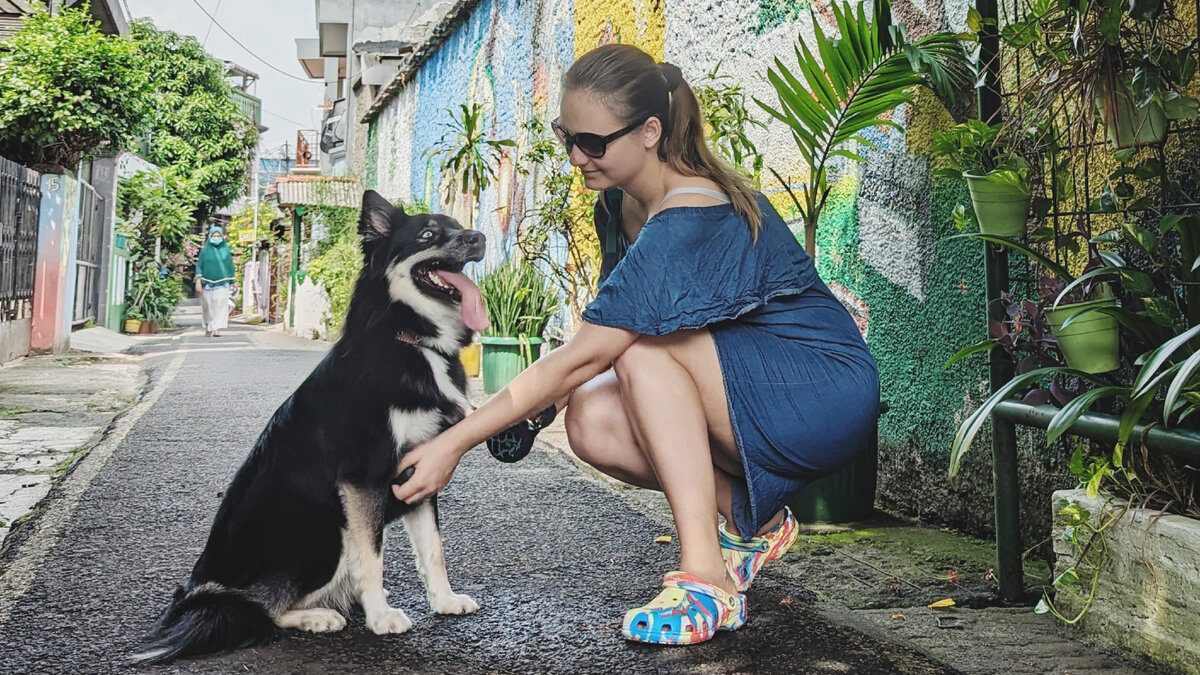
[878, 577]
[53, 409]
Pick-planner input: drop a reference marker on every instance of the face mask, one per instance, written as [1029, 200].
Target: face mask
[215, 239]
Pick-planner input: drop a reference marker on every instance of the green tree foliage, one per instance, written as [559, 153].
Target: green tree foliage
[156, 216]
[157, 205]
[339, 255]
[67, 89]
[195, 127]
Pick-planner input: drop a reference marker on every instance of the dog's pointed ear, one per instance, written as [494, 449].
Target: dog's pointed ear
[375, 221]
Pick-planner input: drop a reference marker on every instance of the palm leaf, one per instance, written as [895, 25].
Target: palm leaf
[860, 77]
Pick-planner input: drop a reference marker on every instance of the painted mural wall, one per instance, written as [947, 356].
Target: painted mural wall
[916, 299]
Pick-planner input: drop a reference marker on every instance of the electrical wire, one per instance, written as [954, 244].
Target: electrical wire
[238, 43]
[299, 124]
[208, 32]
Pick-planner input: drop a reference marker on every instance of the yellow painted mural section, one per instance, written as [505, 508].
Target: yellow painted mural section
[633, 22]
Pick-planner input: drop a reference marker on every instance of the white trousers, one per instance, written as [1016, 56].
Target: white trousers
[215, 307]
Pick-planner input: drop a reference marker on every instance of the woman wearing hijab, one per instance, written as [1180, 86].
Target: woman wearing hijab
[214, 282]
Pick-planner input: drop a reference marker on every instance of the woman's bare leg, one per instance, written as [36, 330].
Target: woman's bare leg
[600, 434]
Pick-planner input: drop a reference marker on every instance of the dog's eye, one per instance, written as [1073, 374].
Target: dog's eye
[426, 235]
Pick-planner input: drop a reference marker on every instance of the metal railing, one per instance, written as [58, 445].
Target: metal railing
[251, 106]
[20, 203]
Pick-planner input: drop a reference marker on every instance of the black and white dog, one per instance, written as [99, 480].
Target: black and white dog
[298, 539]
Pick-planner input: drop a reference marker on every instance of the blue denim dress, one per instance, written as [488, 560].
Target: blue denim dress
[803, 389]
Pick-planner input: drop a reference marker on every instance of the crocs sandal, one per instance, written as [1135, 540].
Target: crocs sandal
[514, 443]
[744, 558]
[687, 611]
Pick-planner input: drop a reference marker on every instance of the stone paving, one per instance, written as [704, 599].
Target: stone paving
[52, 408]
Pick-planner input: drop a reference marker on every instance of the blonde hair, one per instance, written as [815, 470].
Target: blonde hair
[636, 87]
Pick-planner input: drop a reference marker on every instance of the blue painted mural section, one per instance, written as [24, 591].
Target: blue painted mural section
[507, 57]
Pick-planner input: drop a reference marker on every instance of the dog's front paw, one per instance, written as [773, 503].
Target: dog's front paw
[389, 621]
[453, 603]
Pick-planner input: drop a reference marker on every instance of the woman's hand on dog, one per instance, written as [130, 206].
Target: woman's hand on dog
[433, 464]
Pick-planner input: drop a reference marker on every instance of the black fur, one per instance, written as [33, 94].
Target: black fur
[277, 535]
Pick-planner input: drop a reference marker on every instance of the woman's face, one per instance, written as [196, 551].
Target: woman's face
[583, 112]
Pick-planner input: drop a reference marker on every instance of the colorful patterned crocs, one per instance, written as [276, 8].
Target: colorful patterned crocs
[744, 558]
[687, 611]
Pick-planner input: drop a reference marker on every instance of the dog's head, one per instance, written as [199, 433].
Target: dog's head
[419, 260]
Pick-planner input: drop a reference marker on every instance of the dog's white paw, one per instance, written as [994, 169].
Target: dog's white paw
[389, 621]
[319, 620]
[453, 603]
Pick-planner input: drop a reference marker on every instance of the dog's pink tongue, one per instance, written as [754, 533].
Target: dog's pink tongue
[474, 315]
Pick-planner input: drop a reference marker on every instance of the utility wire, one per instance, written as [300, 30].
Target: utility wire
[299, 124]
[210, 25]
[238, 42]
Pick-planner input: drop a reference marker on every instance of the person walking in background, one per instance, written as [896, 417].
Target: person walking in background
[214, 282]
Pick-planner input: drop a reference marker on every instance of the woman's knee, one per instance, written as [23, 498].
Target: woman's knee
[589, 419]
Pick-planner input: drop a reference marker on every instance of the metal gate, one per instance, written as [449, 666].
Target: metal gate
[20, 201]
[87, 261]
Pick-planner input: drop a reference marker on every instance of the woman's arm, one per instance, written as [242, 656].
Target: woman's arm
[547, 380]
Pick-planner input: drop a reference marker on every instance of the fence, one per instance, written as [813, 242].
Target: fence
[20, 201]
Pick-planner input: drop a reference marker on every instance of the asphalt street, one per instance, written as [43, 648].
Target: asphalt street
[553, 556]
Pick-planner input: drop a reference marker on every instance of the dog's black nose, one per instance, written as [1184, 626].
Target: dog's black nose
[475, 242]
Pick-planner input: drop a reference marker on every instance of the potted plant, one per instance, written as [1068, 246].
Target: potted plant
[133, 320]
[520, 301]
[997, 177]
[1129, 64]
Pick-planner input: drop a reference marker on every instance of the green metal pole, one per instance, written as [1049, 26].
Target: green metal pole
[1183, 444]
[1009, 571]
[296, 229]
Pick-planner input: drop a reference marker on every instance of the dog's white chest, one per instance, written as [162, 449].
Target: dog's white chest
[439, 365]
[410, 427]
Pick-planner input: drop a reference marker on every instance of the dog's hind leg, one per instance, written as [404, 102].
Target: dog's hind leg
[364, 541]
[316, 620]
[421, 523]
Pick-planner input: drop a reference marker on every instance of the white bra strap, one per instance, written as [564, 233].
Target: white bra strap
[721, 196]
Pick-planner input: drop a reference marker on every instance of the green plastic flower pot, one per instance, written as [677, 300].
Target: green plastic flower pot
[1001, 209]
[505, 357]
[845, 496]
[1090, 342]
[1126, 124]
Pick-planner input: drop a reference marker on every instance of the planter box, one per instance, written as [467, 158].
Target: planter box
[1146, 599]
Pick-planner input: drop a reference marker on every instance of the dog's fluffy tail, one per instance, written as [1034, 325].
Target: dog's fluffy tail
[205, 619]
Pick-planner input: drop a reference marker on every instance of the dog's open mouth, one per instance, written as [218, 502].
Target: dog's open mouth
[444, 279]
[429, 276]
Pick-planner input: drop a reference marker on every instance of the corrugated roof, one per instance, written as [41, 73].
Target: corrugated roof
[9, 25]
[318, 191]
[15, 7]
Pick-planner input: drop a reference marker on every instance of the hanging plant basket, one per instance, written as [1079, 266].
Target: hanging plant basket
[1001, 209]
[1090, 342]
[1127, 125]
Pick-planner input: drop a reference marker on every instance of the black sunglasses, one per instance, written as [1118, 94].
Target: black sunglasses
[592, 145]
